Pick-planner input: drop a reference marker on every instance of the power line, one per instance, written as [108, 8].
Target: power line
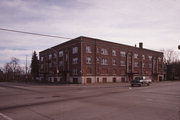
[24, 32]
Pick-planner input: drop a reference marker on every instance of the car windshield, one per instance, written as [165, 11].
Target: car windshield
[138, 78]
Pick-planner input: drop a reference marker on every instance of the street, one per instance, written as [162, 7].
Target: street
[112, 101]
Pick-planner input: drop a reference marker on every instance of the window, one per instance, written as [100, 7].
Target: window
[150, 58]
[104, 61]
[104, 51]
[97, 50]
[136, 56]
[50, 56]
[159, 59]
[60, 53]
[55, 55]
[75, 50]
[123, 54]
[88, 60]
[143, 57]
[122, 63]
[150, 65]
[136, 64]
[60, 63]
[113, 62]
[88, 49]
[75, 71]
[114, 52]
[42, 58]
[42, 66]
[50, 65]
[75, 61]
[97, 60]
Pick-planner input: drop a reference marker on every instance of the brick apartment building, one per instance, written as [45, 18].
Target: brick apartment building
[88, 60]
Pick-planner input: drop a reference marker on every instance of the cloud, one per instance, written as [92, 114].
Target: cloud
[156, 23]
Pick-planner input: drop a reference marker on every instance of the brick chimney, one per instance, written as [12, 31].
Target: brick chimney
[140, 45]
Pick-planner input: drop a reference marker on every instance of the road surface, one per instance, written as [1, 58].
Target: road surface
[116, 101]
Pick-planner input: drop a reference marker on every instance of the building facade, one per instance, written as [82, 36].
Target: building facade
[88, 60]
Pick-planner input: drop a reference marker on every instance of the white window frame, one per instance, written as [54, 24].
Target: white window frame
[136, 56]
[75, 61]
[75, 71]
[136, 64]
[123, 53]
[88, 60]
[75, 50]
[150, 58]
[104, 61]
[104, 51]
[50, 56]
[113, 52]
[143, 57]
[61, 53]
[113, 62]
[88, 49]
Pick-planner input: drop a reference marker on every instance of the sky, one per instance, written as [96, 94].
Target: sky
[156, 23]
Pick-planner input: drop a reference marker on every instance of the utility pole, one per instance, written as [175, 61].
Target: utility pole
[26, 68]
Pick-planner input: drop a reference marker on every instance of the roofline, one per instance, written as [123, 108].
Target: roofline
[102, 41]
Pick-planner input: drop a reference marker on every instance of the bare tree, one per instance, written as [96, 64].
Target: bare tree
[12, 69]
[170, 56]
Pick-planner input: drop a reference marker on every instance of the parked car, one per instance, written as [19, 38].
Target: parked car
[139, 81]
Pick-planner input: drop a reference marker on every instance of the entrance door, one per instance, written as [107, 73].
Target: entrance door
[75, 80]
[88, 80]
[114, 80]
[104, 80]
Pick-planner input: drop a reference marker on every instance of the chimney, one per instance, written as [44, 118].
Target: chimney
[140, 45]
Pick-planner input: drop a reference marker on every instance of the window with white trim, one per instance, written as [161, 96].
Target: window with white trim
[136, 56]
[113, 62]
[75, 60]
[136, 64]
[75, 50]
[55, 55]
[113, 52]
[104, 51]
[60, 53]
[143, 57]
[88, 49]
[75, 71]
[104, 61]
[150, 58]
[88, 60]
[123, 54]
[50, 56]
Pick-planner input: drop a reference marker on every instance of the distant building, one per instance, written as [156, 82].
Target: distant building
[88, 60]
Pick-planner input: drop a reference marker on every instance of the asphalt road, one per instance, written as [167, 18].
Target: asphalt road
[117, 101]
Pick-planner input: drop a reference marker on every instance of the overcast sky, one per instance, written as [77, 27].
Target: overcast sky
[156, 23]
